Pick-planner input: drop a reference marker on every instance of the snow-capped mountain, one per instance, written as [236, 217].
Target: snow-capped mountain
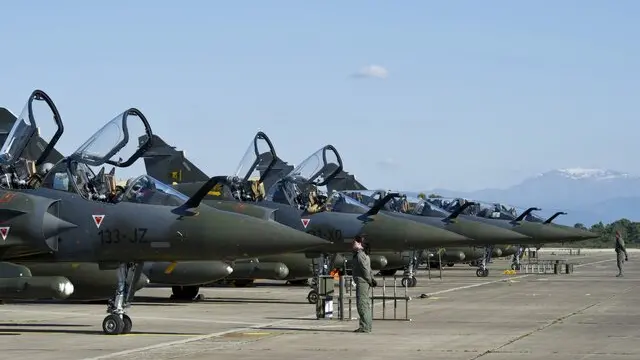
[587, 195]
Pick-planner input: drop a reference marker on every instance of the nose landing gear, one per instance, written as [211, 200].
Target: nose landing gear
[118, 322]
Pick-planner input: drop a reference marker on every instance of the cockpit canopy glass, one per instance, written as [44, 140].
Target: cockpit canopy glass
[424, 208]
[258, 159]
[112, 139]
[318, 168]
[343, 203]
[302, 184]
[404, 203]
[18, 138]
[485, 209]
[150, 191]
[25, 128]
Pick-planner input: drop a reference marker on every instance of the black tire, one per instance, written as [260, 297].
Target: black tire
[112, 325]
[128, 324]
[312, 297]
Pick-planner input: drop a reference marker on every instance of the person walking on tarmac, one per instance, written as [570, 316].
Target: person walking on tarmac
[621, 253]
[363, 276]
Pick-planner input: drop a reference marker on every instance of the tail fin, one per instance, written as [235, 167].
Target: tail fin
[35, 147]
[344, 181]
[279, 169]
[169, 165]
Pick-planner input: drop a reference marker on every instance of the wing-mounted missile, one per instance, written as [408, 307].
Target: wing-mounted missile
[554, 216]
[17, 283]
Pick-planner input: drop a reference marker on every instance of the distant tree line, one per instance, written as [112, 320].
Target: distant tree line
[629, 230]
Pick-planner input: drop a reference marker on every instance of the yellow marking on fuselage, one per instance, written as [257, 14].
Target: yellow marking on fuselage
[170, 268]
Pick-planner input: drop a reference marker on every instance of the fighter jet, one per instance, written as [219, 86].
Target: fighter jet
[296, 190]
[383, 232]
[539, 232]
[68, 213]
[91, 283]
[479, 234]
[525, 222]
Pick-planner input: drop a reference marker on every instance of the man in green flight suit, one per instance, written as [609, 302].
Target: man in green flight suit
[363, 276]
[621, 253]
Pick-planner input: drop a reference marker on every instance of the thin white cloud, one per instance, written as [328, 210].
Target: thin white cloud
[372, 71]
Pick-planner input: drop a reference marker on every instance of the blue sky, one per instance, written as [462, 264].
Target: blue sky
[476, 94]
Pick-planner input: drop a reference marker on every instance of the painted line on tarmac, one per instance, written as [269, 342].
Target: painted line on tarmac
[84, 315]
[504, 279]
[276, 323]
[592, 263]
[476, 285]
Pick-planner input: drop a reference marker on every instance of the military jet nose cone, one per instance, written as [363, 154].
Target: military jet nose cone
[578, 234]
[406, 234]
[589, 235]
[287, 239]
[231, 235]
[496, 235]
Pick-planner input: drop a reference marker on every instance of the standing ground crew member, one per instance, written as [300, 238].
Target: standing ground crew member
[621, 253]
[363, 276]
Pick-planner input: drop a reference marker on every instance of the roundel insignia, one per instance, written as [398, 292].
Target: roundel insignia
[98, 219]
[4, 231]
[305, 222]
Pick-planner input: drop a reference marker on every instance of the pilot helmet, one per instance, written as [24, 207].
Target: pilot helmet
[45, 168]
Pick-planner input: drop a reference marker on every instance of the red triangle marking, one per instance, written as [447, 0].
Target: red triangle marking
[305, 222]
[97, 219]
[4, 231]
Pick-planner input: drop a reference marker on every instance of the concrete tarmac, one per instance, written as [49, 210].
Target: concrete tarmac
[589, 314]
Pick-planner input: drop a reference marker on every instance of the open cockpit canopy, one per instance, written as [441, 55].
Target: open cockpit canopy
[74, 173]
[21, 168]
[300, 187]
[112, 138]
[255, 165]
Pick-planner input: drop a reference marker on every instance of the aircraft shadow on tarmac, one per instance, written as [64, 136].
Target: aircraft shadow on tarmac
[217, 300]
[19, 328]
[151, 302]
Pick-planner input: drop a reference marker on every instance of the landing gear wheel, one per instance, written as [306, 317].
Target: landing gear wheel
[128, 324]
[450, 264]
[312, 298]
[409, 281]
[485, 272]
[515, 266]
[113, 325]
[479, 273]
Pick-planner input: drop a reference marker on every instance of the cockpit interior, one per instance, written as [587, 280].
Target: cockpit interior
[305, 185]
[74, 173]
